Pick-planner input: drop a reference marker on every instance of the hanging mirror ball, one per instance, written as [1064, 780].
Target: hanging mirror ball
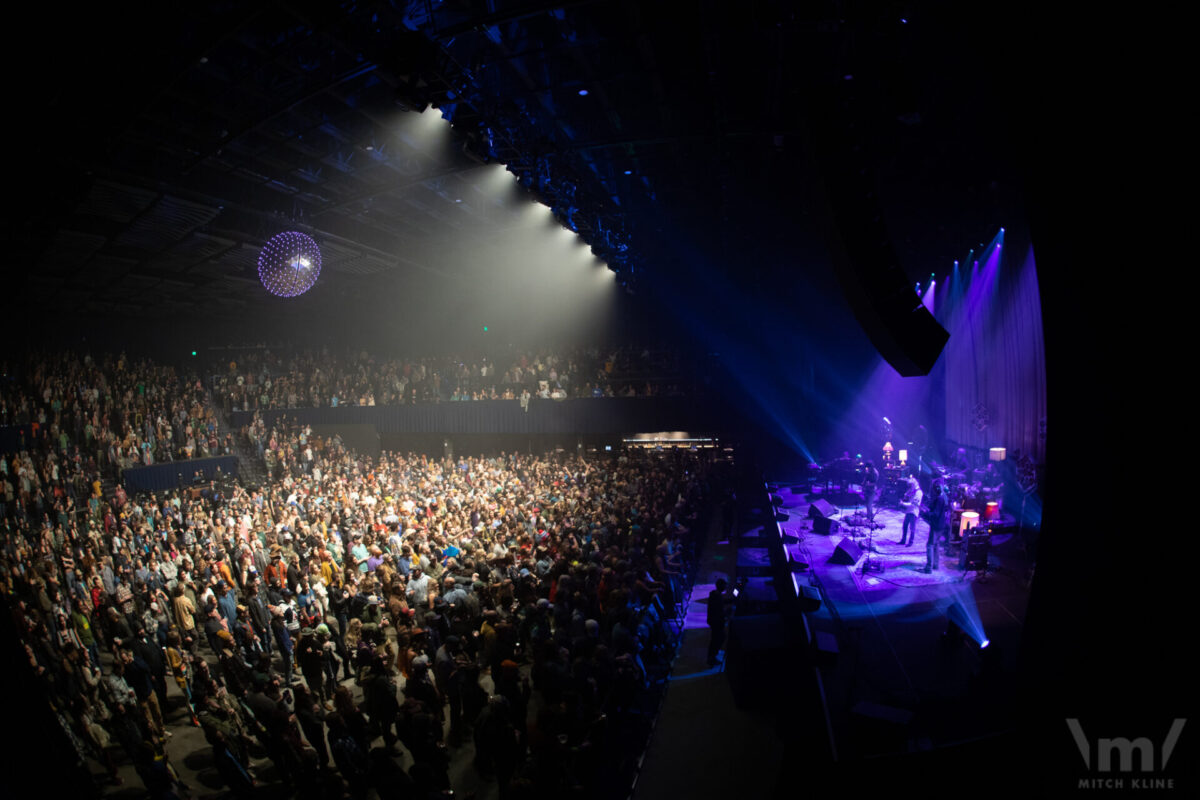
[289, 264]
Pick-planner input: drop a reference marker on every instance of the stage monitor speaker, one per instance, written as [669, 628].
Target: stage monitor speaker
[826, 526]
[810, 599]
[821, 508]
[847, 552]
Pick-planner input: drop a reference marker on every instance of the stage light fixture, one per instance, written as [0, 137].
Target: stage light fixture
[960, 621]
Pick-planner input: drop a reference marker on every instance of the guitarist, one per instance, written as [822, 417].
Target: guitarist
[939, 523]
[912, 506]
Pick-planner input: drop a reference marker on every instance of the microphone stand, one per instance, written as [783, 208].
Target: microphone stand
[867, 566]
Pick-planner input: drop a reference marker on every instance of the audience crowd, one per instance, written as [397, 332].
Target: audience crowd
[262, 379]
[507, 602]
[110, 414]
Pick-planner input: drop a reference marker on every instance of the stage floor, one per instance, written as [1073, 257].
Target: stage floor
[895, 685]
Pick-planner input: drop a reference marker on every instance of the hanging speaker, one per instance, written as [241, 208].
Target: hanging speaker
[877, 288]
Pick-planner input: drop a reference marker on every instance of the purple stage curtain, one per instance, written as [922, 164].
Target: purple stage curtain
[995, 361]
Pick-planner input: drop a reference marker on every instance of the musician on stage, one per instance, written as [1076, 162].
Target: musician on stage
[912, 507]
[990, 478]
[869, 482]
[939, 523]
[961, 463]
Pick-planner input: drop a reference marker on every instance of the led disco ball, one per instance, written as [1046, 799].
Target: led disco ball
[289, 264]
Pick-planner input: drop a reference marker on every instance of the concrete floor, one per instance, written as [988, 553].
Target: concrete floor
[191, 755]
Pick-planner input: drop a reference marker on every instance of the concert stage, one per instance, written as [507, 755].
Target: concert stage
[892, 682]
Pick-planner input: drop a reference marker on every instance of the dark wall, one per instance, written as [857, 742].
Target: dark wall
[439, 445]
[363, 439]
[566, 417]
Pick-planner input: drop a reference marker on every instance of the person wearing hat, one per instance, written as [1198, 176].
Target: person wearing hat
[145, 645]
[330, 659]
[245, 636]
[359, 555]
[310, 656]
[372, 613]
[222, 568]
[260, 615]
[233, 667]
[276, 570]
[283, 637]
[911, 503]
